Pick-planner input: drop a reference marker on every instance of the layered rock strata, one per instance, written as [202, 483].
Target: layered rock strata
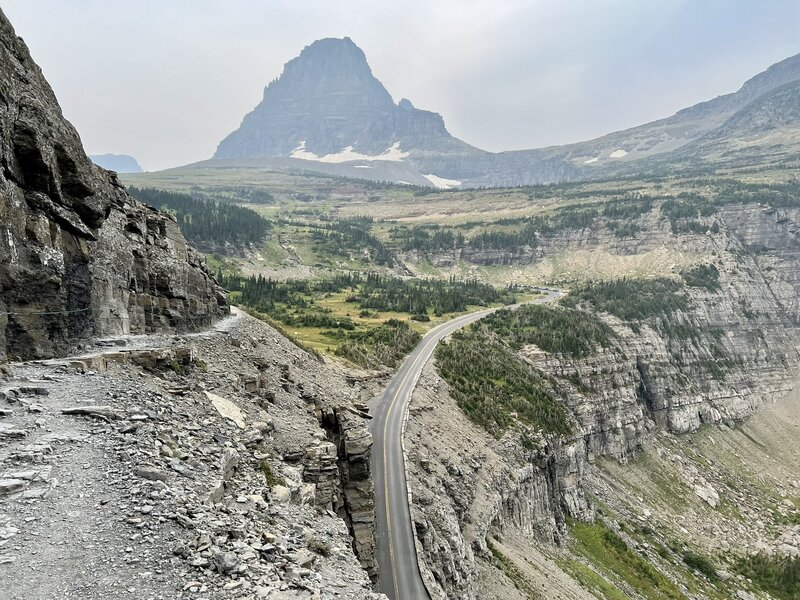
[78, 256]
[742, 355]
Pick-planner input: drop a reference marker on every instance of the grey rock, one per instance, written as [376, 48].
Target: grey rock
[11, 486]
[327, 99]
[228, 463]
[150, 473]
[80, 257]
[225, 562]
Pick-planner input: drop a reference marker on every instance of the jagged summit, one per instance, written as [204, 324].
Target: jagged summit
[327, 105]
[328, 113]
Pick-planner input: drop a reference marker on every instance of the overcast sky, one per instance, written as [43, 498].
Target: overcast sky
[166, 80]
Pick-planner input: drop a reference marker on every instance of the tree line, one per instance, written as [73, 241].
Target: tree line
[204, 221]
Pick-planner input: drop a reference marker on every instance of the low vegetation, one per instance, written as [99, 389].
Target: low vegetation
[511, 571]
[701, 564]
[386, 344]
[368, 319]
[778, 575]
[608, 552]
[293, 302]
[702, 276]
[495, 388]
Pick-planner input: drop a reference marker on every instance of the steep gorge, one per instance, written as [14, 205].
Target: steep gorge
[730, 353]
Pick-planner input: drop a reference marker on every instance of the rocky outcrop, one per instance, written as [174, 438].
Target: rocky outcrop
[78, 256]
[345, 464]
[468, 488]
[176, 471]
[741, 355]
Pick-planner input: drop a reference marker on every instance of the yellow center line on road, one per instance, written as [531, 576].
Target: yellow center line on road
[448, 328]
[386, 465]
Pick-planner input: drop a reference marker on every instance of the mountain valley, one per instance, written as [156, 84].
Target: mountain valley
[352, 355]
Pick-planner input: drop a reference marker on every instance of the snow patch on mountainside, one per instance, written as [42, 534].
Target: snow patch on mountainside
[618, 154]
[441, 182]
[393, 153]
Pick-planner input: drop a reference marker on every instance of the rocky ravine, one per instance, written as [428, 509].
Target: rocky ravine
[79, 256]
[229, 464]
[627, 405]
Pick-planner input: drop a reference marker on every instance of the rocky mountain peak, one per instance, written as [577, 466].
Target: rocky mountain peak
[330, 69]
[327, 105]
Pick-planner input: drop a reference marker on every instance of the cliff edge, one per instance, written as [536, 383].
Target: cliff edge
[79, 257]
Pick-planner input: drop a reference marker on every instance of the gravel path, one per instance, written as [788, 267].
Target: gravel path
[155, 493]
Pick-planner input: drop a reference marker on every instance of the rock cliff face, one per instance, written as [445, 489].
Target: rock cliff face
[79, 256]
[339, 467]
[742, 356]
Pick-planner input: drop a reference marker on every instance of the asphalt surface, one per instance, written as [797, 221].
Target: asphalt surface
[398, 567]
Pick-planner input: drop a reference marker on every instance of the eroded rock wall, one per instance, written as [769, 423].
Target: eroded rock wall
[79, 256]
[470, 488]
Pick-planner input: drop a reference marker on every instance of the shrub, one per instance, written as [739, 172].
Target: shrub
[778, 575]
[700, 563]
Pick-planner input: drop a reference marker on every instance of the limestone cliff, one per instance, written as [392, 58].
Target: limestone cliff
[78, 256]
[731, 351]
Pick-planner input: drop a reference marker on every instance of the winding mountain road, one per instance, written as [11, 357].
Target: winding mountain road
[398, 567]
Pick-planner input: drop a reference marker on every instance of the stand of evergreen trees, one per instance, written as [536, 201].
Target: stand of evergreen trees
[386, 344]
[702, 276]
[370, 292]
[632, 299]
[346, 237]
[513, 234]
[427, 239]
[416, 297]
[494, 387]
[776, 574]
[205, 221]
[560, 330]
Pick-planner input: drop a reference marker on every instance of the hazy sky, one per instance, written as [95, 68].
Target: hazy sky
[166, 80]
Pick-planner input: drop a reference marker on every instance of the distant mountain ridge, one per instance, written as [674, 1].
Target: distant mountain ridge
[327, 112]
[121, 163]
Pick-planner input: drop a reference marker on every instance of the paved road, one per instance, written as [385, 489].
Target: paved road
[399, 575]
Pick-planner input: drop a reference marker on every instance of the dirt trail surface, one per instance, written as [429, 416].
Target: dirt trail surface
[400, 577]
[170, 467]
